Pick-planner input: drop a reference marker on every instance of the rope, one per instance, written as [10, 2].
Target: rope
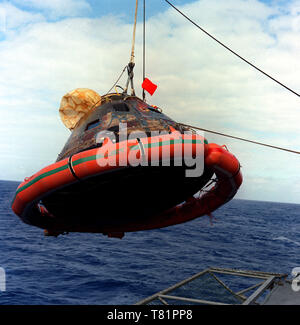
[241, 139]
[134, 29]
[131, 63]
[230, 50]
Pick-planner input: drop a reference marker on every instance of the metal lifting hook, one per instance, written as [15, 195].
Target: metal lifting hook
[130, 67]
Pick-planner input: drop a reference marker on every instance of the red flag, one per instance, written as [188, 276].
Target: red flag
[149, 86]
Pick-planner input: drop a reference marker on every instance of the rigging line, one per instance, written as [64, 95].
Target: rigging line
[230, 50]
[241, 139]
[144, 46]
[134, 29]
[117, 80]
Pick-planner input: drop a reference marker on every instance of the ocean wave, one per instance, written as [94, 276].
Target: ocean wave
[282, 238]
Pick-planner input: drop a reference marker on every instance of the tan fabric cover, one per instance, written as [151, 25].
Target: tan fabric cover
[75, 104]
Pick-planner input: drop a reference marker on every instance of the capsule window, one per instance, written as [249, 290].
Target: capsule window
[92, 125]
[121, 107]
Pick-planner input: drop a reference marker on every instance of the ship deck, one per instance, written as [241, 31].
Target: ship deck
[224, 286]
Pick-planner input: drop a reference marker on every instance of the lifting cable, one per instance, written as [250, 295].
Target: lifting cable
[131, 63]
[252, 65]
[230, 50]
[134, 29]
[241, 139]
[144, 47]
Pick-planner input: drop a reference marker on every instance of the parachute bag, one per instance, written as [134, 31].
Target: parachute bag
[76, 104]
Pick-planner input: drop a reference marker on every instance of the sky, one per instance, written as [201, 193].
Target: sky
[50, 47]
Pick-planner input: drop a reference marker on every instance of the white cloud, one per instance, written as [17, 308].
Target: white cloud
[198, 81]
[13, 17]
[57, 8]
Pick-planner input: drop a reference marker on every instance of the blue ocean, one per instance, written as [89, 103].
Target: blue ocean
[91, 269]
